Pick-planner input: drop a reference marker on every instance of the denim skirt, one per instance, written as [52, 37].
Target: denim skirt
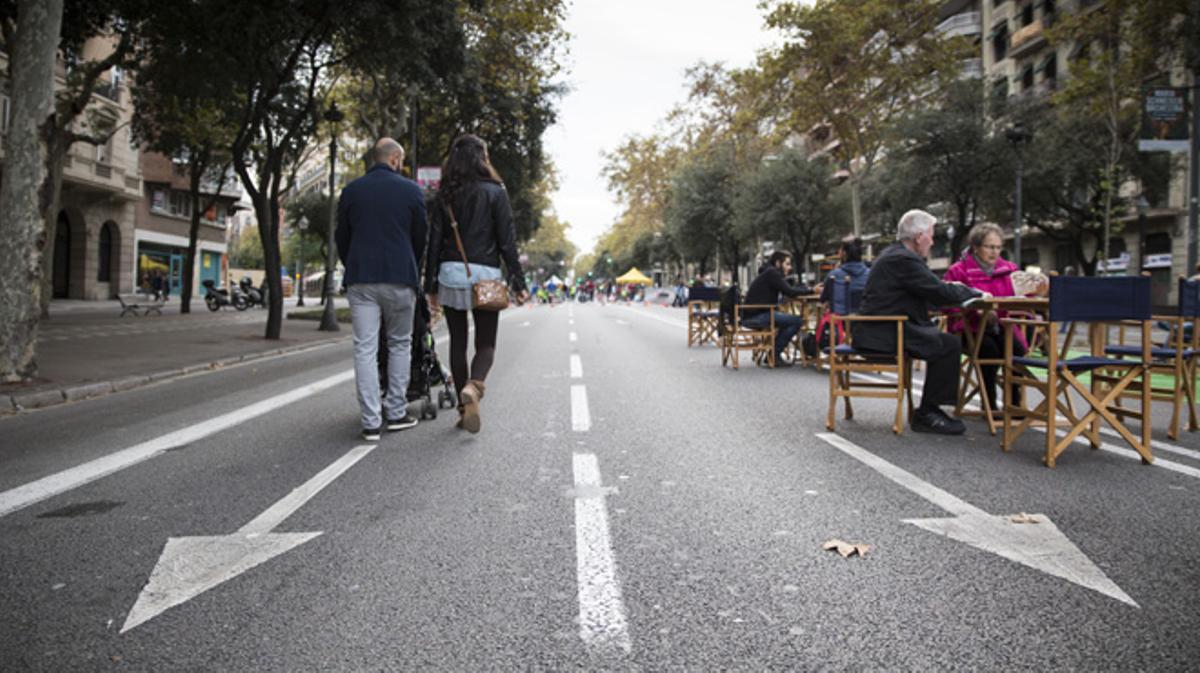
[454, 288]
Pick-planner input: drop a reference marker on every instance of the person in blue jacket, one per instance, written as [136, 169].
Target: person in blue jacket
[381, 231]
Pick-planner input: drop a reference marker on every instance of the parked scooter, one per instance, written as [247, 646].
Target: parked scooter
[217, 297]
[255, 296]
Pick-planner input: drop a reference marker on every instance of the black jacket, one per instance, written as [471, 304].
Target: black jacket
[381, 229]
[900, 283]
[485, 223]
[766, 288]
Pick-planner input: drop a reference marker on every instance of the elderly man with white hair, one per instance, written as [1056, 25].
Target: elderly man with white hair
[901, 283]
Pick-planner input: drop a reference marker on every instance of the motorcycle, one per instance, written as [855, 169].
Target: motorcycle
[217, 297]
[255, 296]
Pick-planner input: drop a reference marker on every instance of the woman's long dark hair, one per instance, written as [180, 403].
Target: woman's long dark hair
[468, 162]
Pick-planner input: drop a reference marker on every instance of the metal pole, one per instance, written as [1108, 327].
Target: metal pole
[1017, 213]
[1194, 180]
[414, 139]
[329, 321]
[300, 270]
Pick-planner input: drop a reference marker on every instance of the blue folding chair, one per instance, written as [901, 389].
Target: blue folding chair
[1099, 302]
[703, 304]
[1176, 359]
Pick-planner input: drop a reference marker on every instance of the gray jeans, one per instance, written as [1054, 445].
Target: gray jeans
[392, 305]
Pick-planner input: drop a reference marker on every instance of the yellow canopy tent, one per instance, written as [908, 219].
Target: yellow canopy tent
[635, 277]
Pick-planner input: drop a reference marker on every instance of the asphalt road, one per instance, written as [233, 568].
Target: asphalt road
[696, 544]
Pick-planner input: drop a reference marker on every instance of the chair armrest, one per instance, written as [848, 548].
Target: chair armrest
[1023, 321]
[868, 318]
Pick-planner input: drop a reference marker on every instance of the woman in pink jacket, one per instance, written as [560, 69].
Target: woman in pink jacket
[982, 268]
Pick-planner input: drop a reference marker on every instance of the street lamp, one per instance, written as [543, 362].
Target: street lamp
[1018, 136]
[302, 224]
[329, 318]
[1143, 207]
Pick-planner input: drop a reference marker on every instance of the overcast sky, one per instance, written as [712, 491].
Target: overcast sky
[626, 72]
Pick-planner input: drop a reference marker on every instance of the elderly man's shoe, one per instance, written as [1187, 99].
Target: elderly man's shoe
[937, 422]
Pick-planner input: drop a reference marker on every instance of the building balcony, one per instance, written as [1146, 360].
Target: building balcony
[971, 68]
[105, 179]
[1027, 40]
[967, 23]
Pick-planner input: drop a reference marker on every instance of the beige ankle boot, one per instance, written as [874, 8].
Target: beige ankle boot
[472, 393]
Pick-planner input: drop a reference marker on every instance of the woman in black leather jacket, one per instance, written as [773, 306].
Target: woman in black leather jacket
[472, 190]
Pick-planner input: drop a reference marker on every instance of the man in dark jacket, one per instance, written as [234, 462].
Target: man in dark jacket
[380, 239]
[900, 283]
[765, 290]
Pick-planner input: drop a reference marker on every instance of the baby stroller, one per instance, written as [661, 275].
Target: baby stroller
[427, 372]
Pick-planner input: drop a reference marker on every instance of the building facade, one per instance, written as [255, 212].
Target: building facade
[164, 217]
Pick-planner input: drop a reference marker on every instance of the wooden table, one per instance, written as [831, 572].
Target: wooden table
[971, 380]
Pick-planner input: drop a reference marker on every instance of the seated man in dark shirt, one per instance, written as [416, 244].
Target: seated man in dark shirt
[765, 290]
[900, 283]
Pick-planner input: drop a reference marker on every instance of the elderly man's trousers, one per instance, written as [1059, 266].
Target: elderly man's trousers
[941, 356]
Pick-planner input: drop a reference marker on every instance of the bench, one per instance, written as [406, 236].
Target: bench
[132, 303]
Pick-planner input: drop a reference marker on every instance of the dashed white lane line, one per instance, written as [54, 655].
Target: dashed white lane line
[581, 418]
[35, 491]
[576, 367]
[602, 622]
[573, 337]
[570, 321]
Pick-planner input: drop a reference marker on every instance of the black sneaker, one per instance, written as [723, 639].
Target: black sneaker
[937, 422]
[371, 434]
[405, 423]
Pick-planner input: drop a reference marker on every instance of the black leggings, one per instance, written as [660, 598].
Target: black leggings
[486, 324]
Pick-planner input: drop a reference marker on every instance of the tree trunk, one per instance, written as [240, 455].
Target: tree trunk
[271, 260]
[196, 167]
[50, 201]
[22, 230]
[856, 206]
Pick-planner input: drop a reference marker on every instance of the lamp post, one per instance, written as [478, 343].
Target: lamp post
[302, 224]
[329, 317]
[1018, 137]
[1143, 206]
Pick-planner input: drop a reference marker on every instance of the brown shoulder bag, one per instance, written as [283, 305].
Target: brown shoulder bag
[486, 295]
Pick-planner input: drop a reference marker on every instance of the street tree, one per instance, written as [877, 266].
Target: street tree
[549, 248]
[639, 173]
[1122, 45]
[948, 154]
[700, 215]
[787, 200]
[31, 51]
[179, 114]
[853, 67]
[74, 118]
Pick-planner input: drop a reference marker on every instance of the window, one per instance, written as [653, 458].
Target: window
[5, 111]
[1158, 244]
[104, 152]
[1050, 67]
[1000, 41]
[158, 200]
[181, 204]
[104, 266]
[1027, 78]
[1027, 14]
[1031, 257]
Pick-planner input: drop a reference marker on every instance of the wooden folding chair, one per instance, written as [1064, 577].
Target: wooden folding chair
[703, 314]
[841, 302]
[850, 371]
[735, 337]
[1099, 302]
[1175, 359]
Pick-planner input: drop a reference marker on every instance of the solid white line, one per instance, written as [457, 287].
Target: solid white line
[928, 491]
[644, 314]
[573, 337]
[581, 419]
[275, 514]
[576, 367]
[35, 491]
[602, 622]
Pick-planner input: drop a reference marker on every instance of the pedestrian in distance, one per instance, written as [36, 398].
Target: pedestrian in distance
[471, 232]
[900, 283]
[381, 231]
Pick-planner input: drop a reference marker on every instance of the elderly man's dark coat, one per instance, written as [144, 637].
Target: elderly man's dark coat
[901, 283]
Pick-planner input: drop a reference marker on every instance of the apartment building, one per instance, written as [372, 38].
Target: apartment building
[1018, 60]
[164, 218]
[94, 233]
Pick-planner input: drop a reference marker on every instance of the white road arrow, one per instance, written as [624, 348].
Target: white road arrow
[1039, 545]
[190, 566]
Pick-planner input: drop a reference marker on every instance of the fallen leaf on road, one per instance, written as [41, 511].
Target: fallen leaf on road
[1024, 518]
[847, 548]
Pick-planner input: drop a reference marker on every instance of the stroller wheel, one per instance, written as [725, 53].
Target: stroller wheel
[444, 400]
[429, 411]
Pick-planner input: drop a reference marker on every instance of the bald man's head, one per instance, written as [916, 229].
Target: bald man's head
[388, 151]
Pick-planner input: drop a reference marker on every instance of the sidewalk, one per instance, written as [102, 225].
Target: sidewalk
[85, 349]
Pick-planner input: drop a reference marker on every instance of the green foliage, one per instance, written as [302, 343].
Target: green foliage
[700, 217]
[314, 206]
[787, 201]
[246, 251]
[549, 249]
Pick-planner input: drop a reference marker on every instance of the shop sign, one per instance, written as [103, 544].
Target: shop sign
[1159, 261]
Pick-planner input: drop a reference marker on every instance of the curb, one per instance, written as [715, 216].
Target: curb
[14, 404]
